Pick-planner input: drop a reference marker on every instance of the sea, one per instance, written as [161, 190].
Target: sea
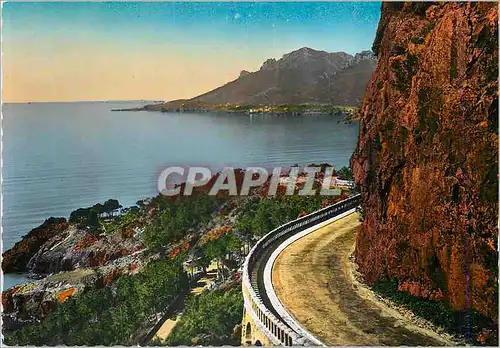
[58, 157]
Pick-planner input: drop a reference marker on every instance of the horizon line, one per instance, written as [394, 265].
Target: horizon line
[81, 101]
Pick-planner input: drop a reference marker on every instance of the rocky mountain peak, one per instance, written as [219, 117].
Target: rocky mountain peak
[301, 52]
[244, 73]
[304, 75]
[367, 54]
[268, 64]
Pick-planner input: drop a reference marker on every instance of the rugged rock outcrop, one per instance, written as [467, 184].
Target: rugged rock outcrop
[346, 86]
[16, 258]
[268, 64]
[244, 73]
[427, 155]
[28, 303]
[80, 248]
[79, 259]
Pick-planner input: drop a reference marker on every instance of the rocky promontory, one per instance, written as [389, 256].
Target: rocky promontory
[302, 77]
[16, 258]
[68, 257]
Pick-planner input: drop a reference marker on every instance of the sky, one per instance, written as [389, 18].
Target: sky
[162, 51]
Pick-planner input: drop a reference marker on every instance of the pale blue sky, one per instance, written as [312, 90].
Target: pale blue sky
[163, 50]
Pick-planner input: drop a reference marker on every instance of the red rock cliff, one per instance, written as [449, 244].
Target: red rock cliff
[427, 155]
[16, 258]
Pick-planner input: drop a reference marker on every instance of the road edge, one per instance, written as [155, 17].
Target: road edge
[268, 270]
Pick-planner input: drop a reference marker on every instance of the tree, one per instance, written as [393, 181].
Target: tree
[111, 206]
[93, 220]
[210, 316]
[99, 209]
[176, 219]
[79, 215]
[200, 259]
[110, 315]
[85, 217]
[232, 243]
[212, 250]
[345, 173]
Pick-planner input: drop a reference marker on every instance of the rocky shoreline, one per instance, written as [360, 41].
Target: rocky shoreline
[104, 246]
[70, 261]
[64, 258]
[17, 258]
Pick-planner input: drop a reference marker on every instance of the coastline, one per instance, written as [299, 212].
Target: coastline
[185, 106]
[350, 113]
[86, 258]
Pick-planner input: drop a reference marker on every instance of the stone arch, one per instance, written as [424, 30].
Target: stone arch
[248, 333]
[258, 343]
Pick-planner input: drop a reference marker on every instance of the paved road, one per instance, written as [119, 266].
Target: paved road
[314, 279]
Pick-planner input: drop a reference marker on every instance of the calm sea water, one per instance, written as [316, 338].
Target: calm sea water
[61, 156]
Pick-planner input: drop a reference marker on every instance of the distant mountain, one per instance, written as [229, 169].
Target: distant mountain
[347, 86]
[301, 76]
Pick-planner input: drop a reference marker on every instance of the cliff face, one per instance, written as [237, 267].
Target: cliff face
[16, 258]
[427, 155]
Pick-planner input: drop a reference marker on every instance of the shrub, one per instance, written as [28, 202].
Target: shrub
[209, 319]
[438, 312]
[110, 315]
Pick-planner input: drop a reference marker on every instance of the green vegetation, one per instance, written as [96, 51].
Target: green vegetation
[404, 72]
[89, 217]
[371, 174]
[217, 249]
[110, 315]
[487, 42]
[190, 105]
[119, 308]
[175, 218]
[411, 63]
[388, 126]
[286, 108]
[129, 217]
[437, 312]
[262, 215]
[429, 100]
[453, 62]
[404, 133]
[398, 179]
[418, 40]
[427, 29]
[397, 50]
[488, 189]
[400, 76]
[345, 173]
[377, 143]
[209, 319]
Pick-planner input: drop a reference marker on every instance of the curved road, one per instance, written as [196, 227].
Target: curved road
[314, 279]
[257, 276]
